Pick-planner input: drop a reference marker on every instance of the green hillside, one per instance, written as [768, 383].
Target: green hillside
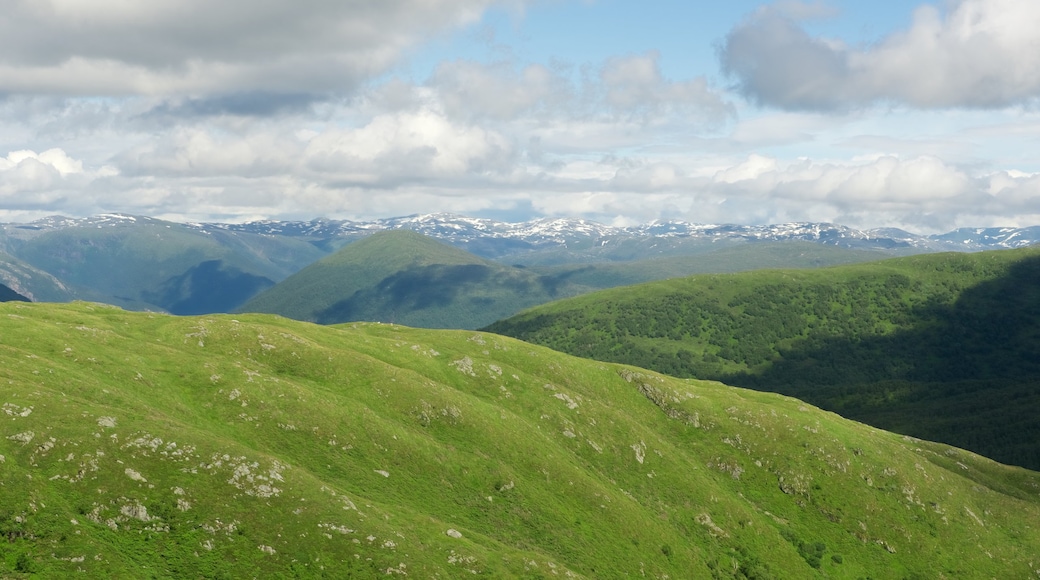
[404, 277]
[147, 445]
[941, 346]
[151, 264]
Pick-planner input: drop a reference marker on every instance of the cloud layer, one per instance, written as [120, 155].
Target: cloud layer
[292, 110]
[979, 53]
[196, 47]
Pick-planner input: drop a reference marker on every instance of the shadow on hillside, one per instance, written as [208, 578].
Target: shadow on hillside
[9, 295]
[413, 289]
[966, 373]
[440, 286]
[207, 287]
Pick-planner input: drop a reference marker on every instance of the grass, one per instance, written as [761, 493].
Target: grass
[146, 445]
[940, 346]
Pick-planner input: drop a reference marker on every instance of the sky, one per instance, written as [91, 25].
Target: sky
[918, 115]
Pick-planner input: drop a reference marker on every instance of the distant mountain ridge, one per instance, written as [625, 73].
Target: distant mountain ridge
[548, 232]
[146, 263]
[409, 278]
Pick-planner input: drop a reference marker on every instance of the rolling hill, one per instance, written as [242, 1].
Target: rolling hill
[405, 277]
[147, 445]
[939, 346]
[408, 278]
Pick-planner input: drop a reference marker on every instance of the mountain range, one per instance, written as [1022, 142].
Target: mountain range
[149, 264]
[492, 238]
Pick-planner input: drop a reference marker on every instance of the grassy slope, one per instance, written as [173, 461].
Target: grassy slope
[404, 277]
[142, 445]
[941, 346]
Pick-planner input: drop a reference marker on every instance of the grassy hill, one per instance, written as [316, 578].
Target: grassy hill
[404, 277]
[941, 346]
[408, 278]
[146, 445]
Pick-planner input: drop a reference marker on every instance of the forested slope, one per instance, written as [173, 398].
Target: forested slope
[942, 346]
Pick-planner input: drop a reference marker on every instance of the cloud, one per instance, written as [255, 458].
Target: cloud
[30, 180]
[979, 53]
[472, 90]
[197, 47]
[243, 103]
[635, 85]
[915, 193]
[407, 147]
[623, 89]
[420, 161]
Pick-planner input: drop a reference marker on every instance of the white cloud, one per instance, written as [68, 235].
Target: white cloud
[629, 89]
[161, 47]
[472, 90]
[56, 158]
[617, 141]
[30, 180]
[979, 53]
[755, 167]
[635, 85]
[406, 147]
[918, 193]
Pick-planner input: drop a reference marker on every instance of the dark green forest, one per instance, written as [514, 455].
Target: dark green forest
[943, 346]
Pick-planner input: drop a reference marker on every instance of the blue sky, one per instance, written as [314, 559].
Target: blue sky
[885, 114]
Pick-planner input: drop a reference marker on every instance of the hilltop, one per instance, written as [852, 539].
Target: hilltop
[939, 346]
[404, 277]
[139, 444]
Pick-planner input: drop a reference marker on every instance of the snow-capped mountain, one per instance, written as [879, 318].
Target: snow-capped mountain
[147, 263]
[549, 232]
[496, 239]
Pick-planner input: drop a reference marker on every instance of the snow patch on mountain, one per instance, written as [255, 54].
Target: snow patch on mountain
[562, 232]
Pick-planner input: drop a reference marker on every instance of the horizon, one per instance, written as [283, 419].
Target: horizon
[449, 215]
[920, 116]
